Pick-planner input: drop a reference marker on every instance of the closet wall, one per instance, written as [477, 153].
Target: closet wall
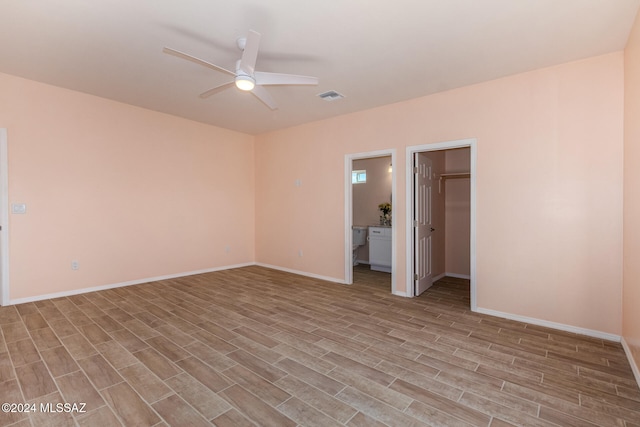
[457, 214]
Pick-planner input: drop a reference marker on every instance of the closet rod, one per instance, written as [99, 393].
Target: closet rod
[455, 175]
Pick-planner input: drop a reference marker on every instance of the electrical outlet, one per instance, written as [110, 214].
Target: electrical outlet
[227, 249]
[299, 252]
[75, 265]
[18, 208]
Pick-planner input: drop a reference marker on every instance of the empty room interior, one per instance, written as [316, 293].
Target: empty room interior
[310, 214]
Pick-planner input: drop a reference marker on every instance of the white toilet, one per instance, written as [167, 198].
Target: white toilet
[359, 239]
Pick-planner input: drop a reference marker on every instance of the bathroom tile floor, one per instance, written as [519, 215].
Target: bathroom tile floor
[254, 346]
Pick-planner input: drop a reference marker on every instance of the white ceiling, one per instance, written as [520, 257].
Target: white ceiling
[374, 52]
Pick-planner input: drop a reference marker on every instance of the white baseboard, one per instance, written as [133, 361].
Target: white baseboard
[302, 273]
[438, 277]
[165, 277]
[553, 325]
[632, 362]
[400, 294]
[121, 284]
[458, 276]
[454, 275]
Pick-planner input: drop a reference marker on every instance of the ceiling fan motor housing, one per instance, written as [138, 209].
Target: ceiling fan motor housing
[245, 82]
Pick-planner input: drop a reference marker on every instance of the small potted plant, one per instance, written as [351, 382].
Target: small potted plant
[385, 217]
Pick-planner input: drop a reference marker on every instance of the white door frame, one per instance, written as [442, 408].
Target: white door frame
[348, 212]
[446, 145]
[4, 220]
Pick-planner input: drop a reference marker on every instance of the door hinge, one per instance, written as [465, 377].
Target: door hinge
[415, 222]
[415, 277]
[415, 170]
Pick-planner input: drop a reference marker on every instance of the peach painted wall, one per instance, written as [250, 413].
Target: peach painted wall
[367, 196]
[549, 188]
[631, 288]
[129, 193]
[458, 213]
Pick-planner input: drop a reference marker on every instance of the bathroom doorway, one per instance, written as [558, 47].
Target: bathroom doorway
[369, 183]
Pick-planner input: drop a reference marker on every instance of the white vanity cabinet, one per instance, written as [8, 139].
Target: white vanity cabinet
[380, 248]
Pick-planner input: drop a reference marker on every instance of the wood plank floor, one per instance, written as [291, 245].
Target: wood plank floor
[254, 346]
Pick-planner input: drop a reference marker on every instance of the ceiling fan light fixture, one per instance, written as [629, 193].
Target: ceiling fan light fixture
[245, 82]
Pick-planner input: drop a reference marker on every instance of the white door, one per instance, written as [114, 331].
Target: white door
[423, 230]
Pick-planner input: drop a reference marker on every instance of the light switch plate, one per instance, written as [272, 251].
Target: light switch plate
[18, 208]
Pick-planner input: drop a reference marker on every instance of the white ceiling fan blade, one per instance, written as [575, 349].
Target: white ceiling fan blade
[263, 95]
[263, 78]
[216, 90]
[250, 53]
[196, 60]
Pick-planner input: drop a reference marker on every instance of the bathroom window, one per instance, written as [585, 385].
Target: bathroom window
[359, 177]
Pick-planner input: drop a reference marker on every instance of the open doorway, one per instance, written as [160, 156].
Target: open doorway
[370, 237]
[441, 238]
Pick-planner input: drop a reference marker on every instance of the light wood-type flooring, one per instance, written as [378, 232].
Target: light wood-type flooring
[254, 346]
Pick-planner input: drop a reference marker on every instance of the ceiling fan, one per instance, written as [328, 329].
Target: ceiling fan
[246, 78]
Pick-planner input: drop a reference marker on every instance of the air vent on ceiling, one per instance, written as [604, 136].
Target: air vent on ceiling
[331, 95]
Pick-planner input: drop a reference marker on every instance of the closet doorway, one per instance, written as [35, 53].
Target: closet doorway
[441, 236]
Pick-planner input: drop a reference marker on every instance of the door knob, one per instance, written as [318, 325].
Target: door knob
[433, 229]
